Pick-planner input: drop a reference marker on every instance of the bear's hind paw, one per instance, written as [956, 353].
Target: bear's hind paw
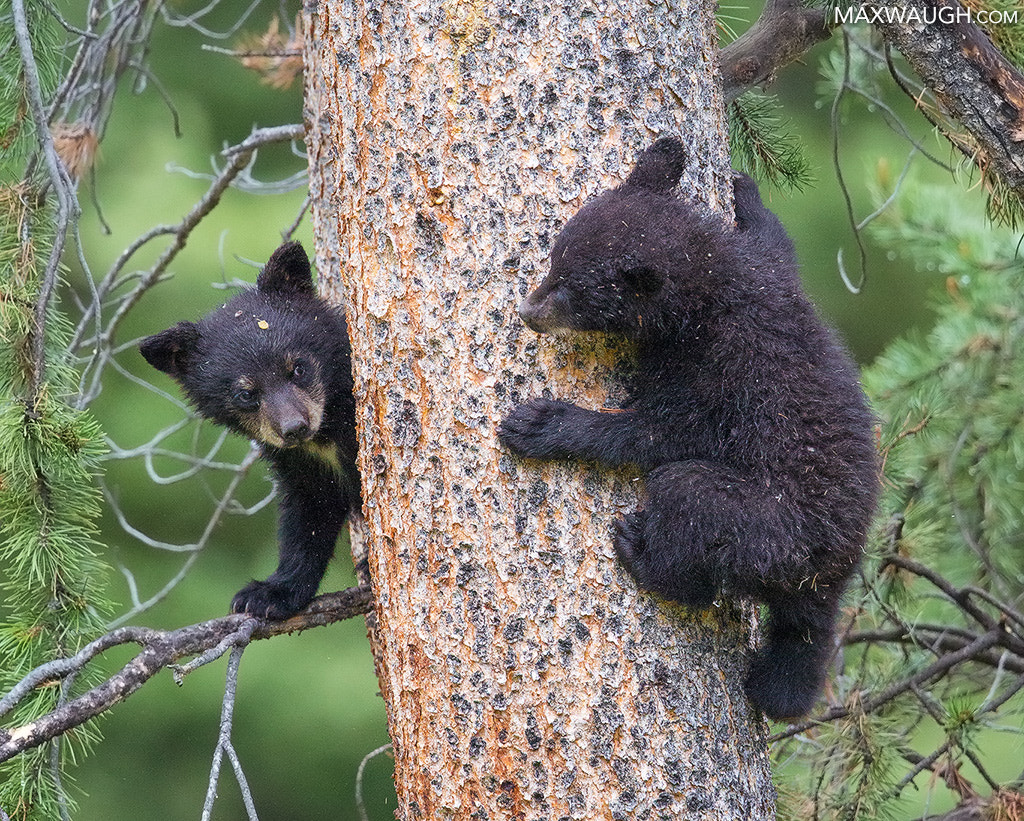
[628, 539]
[781, 691]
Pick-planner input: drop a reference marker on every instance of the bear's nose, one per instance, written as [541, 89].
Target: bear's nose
[533, 311]
[294, 430]
[544, 311]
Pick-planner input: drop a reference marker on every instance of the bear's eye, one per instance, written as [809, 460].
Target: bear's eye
[299, 369]
[245, 397]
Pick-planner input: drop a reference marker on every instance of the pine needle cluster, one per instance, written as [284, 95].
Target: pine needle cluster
[51, 579]
[762, 146]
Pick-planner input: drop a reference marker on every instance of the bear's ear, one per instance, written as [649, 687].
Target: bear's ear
[641, 280]
[287, 271]
[170, 351]
[659, 168]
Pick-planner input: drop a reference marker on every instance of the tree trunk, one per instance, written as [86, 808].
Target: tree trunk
[523, 673]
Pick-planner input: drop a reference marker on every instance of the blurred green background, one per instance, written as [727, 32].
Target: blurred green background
[308, 709]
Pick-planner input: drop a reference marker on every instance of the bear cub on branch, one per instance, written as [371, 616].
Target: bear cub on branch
[273, 364]
[745, 413]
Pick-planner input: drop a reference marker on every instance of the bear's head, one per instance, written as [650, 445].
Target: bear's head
[257, 364]
[614, 257]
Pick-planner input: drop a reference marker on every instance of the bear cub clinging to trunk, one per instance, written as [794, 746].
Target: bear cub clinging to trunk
[273, 364]
[745, 413]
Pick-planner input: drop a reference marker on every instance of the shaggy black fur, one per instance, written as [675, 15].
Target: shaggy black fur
[745, 412]
[273, 364]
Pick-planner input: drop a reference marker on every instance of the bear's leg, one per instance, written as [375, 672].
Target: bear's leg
[660, 563]
[787, 672]
[707, 526]
[700, 516]
[752, 217]
[313, 508]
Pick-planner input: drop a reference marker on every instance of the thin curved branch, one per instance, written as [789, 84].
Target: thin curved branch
[160, 649]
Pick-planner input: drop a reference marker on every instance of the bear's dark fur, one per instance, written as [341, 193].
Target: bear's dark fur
[273, 364]
[745, 412]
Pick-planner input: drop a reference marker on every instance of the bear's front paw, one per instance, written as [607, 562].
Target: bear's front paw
[536, 429]
[269, 600]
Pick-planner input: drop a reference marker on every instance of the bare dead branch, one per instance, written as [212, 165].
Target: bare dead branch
[784, 32]
[161, 649]
[224, 744]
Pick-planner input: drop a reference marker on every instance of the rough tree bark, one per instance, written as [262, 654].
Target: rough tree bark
[524, 675]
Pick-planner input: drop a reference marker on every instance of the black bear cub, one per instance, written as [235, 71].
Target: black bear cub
[745, 413]
[273, 364]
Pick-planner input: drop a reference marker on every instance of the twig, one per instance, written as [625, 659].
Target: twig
[224, 744]
[851, 286]
[194, 549]
[360, 804]
[239, 639]
[60, 668]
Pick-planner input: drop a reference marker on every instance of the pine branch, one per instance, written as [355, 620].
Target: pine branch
[869, 702]
[160, 649]
[762, 146]
[67, 210]
[938, 638]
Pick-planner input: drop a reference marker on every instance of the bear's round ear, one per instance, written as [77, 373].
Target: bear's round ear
[642, 280]
[659, 167]
[170, 351]
[287, 271]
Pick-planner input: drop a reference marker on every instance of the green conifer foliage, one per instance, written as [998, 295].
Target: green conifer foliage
[51, 579]
[951, 402]
[762, 145]
[931, 682]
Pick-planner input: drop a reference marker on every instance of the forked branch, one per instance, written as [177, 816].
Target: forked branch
[160, 649]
